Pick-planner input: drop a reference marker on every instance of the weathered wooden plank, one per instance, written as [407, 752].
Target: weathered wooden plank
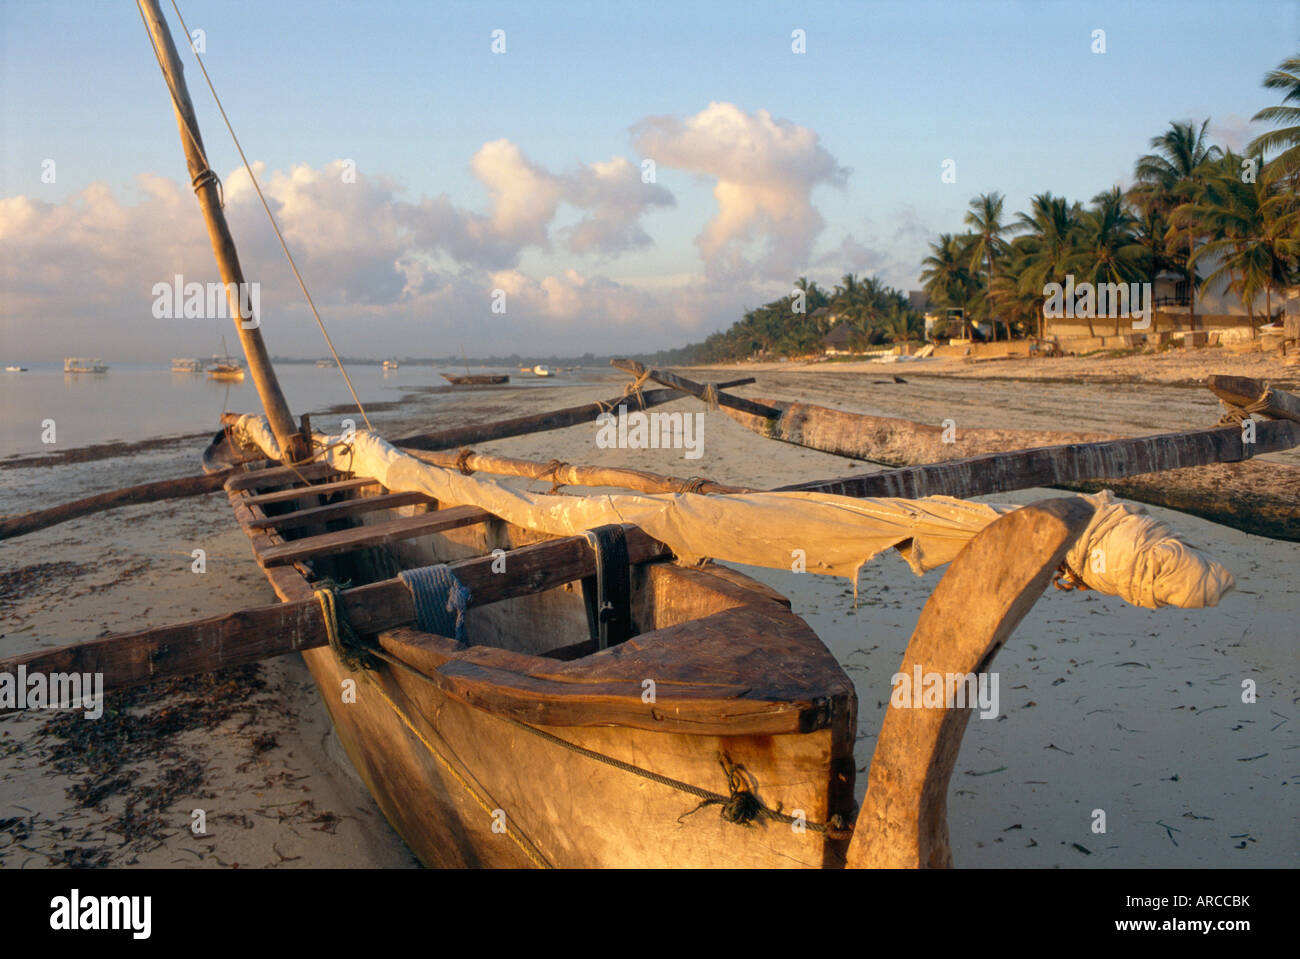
[983, 596]
[377, 534]
[318, 489]
[12, 526]
[333, 511]
[537, 422]
[1243, 391]
[283, 476]
[129, 659]
[668, 378]
[567, 474]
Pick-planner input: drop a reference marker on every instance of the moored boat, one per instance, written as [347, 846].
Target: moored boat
[390, 365]
[476, 379]
[540, 370]
[80, 364]
[15, 369]
[183, 364]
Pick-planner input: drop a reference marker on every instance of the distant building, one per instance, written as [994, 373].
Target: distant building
[919, 300]
[823, 317]
[837, 342]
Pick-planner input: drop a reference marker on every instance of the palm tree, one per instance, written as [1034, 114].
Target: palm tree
[1047, 248]
[987, 230]
[947, 277]
[1285, 77]
[1108, 250]
[1253, 228]
[1165, 177]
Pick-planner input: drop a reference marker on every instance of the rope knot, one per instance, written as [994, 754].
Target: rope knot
[206, 176]
[552, 469]
[462, 460]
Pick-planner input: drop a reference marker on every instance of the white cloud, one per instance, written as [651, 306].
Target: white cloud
[766, 170]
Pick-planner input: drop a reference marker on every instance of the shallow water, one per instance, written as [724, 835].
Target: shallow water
[138, 401]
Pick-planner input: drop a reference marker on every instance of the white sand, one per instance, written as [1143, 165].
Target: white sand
[1103, 706]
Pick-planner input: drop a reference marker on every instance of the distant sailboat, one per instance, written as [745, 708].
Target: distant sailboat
[225, 366]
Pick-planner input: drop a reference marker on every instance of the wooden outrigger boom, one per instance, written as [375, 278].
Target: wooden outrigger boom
[1209, 473]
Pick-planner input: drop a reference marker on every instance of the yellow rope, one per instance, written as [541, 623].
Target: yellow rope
[329, 608]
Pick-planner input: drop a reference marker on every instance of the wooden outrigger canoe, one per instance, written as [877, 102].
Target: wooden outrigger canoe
[719, 671]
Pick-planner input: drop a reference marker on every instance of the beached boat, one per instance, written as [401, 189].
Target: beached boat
[80, 364]
[183, 364]
[476, 379]
[547, 679]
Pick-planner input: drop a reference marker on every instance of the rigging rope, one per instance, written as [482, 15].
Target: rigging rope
[265, 206]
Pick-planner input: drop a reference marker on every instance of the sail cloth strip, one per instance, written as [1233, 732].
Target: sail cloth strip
[1124, 552]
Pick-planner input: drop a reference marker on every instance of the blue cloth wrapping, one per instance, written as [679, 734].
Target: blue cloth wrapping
[440, 600]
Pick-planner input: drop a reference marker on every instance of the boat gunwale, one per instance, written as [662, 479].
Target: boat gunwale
[545, 690]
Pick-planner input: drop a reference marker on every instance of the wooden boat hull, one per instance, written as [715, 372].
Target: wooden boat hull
[476, 379]
[703, 630]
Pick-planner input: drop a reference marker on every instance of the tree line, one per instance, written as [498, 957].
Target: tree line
[1195, 209]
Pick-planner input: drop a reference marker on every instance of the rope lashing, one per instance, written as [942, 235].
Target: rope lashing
[552, 469]
[634, 389]
[206, 176]
[693, 485]
[710, 396]
[440, 600]
[462, 460]
[345, 643]
[1235, 415]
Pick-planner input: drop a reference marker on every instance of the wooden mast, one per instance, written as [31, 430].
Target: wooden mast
[223, 244]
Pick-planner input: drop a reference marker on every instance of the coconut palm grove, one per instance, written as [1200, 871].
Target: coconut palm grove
[1196, 209]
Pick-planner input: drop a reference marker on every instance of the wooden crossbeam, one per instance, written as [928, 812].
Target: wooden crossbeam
[249, 635]
[332, 511]
[668, 378]
[378, 534]
[281, 476]
[320, 489]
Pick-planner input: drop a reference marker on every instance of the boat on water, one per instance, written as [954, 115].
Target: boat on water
[324, 364]
[15, 369]
[532, 678]
[390, 365]
[185, 364]
[540, 370]
[81, 364]
[476, 379]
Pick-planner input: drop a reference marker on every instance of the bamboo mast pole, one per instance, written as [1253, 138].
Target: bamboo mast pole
[223, 244]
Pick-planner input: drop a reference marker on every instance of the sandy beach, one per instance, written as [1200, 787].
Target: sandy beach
[1104, 706]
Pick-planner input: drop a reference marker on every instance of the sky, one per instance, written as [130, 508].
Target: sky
[423, 179]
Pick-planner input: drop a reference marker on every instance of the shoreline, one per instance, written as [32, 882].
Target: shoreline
[1163, 741]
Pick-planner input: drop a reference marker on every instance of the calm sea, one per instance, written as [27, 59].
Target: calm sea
[143, 401]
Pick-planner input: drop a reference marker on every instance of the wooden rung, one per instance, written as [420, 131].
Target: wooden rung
[376, 534]
[282, 476]
[351, 507]
[320, 489]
